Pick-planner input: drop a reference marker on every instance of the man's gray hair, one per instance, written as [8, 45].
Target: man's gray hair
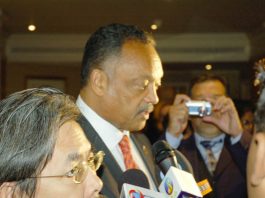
[29, 122]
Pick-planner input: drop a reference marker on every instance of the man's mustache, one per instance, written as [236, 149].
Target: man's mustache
[147, 108]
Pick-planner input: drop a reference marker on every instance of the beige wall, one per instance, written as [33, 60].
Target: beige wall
[18, 74]
[178, 76]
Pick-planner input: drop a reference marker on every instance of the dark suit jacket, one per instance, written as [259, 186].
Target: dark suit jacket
[110, 172]
[229, 179]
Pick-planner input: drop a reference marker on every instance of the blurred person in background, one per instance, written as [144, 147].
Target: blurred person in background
[217, 148]
[158, 121]
[246, 113]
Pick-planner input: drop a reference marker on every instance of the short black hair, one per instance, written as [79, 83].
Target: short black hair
[106, 41]
[208, 77]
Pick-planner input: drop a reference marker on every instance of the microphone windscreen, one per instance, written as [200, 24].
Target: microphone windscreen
[165, 156]
[162, 150]
[135, 177]
[183, 162]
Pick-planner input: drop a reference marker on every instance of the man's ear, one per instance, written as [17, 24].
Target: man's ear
[259, 165]
[98, 81]
[7, 189]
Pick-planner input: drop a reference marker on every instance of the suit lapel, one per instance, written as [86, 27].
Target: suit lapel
[191, 152]
[98, 143]
[145, 154]
[223, 162]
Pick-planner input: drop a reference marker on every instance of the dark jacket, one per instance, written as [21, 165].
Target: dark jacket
[229, 179]
[110, 172]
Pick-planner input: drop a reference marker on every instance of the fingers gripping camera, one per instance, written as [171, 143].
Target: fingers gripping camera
[199, 108]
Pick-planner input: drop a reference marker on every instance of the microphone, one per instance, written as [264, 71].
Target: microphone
[134, 183]
[176, 183]
[134, 177]
[165, 157]
[179, 184]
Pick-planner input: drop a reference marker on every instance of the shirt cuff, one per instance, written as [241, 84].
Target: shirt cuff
[236, 139]
[173, 140]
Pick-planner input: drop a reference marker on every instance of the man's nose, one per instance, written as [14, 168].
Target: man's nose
[93, 182]
[152, 96]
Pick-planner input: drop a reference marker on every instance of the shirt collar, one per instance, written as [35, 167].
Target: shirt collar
[110, 135]
[217, 147]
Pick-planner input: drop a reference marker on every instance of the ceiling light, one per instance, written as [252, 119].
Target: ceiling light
[208, 67]
[154, 27]
[157, 23]
[31, 28]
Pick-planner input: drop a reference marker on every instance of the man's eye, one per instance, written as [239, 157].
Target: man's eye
[144, 86]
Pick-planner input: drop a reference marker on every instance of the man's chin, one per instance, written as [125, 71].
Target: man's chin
[211, 133]
[139, 126]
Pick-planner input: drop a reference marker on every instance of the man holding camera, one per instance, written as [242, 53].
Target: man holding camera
[217, 149]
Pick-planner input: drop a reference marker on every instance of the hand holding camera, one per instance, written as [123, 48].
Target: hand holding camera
[178, 115]
[182, 109]
[218, 111]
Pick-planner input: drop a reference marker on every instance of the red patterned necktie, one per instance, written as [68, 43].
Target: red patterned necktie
[126, 151]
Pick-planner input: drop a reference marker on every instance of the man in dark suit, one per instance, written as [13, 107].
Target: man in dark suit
[217, 149]
[121, 72]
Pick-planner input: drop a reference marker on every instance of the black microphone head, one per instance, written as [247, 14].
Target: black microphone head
[162, 150]
[134, 177]
[164, 155]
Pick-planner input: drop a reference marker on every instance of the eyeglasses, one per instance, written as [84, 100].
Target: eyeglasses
[80, 171]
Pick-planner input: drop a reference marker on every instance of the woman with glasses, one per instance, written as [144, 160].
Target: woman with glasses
[43, 150]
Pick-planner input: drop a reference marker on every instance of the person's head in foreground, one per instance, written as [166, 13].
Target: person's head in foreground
[43, 150]
[120, 74]
[256, 156]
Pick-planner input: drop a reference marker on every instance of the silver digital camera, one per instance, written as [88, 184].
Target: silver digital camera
[199, 108]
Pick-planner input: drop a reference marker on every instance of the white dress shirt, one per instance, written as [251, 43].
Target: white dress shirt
[175, 142]
[216, 149]
[111, 136]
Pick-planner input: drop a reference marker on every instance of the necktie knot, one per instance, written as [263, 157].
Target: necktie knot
[126, 151]
[208, 144]
[124, 143]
